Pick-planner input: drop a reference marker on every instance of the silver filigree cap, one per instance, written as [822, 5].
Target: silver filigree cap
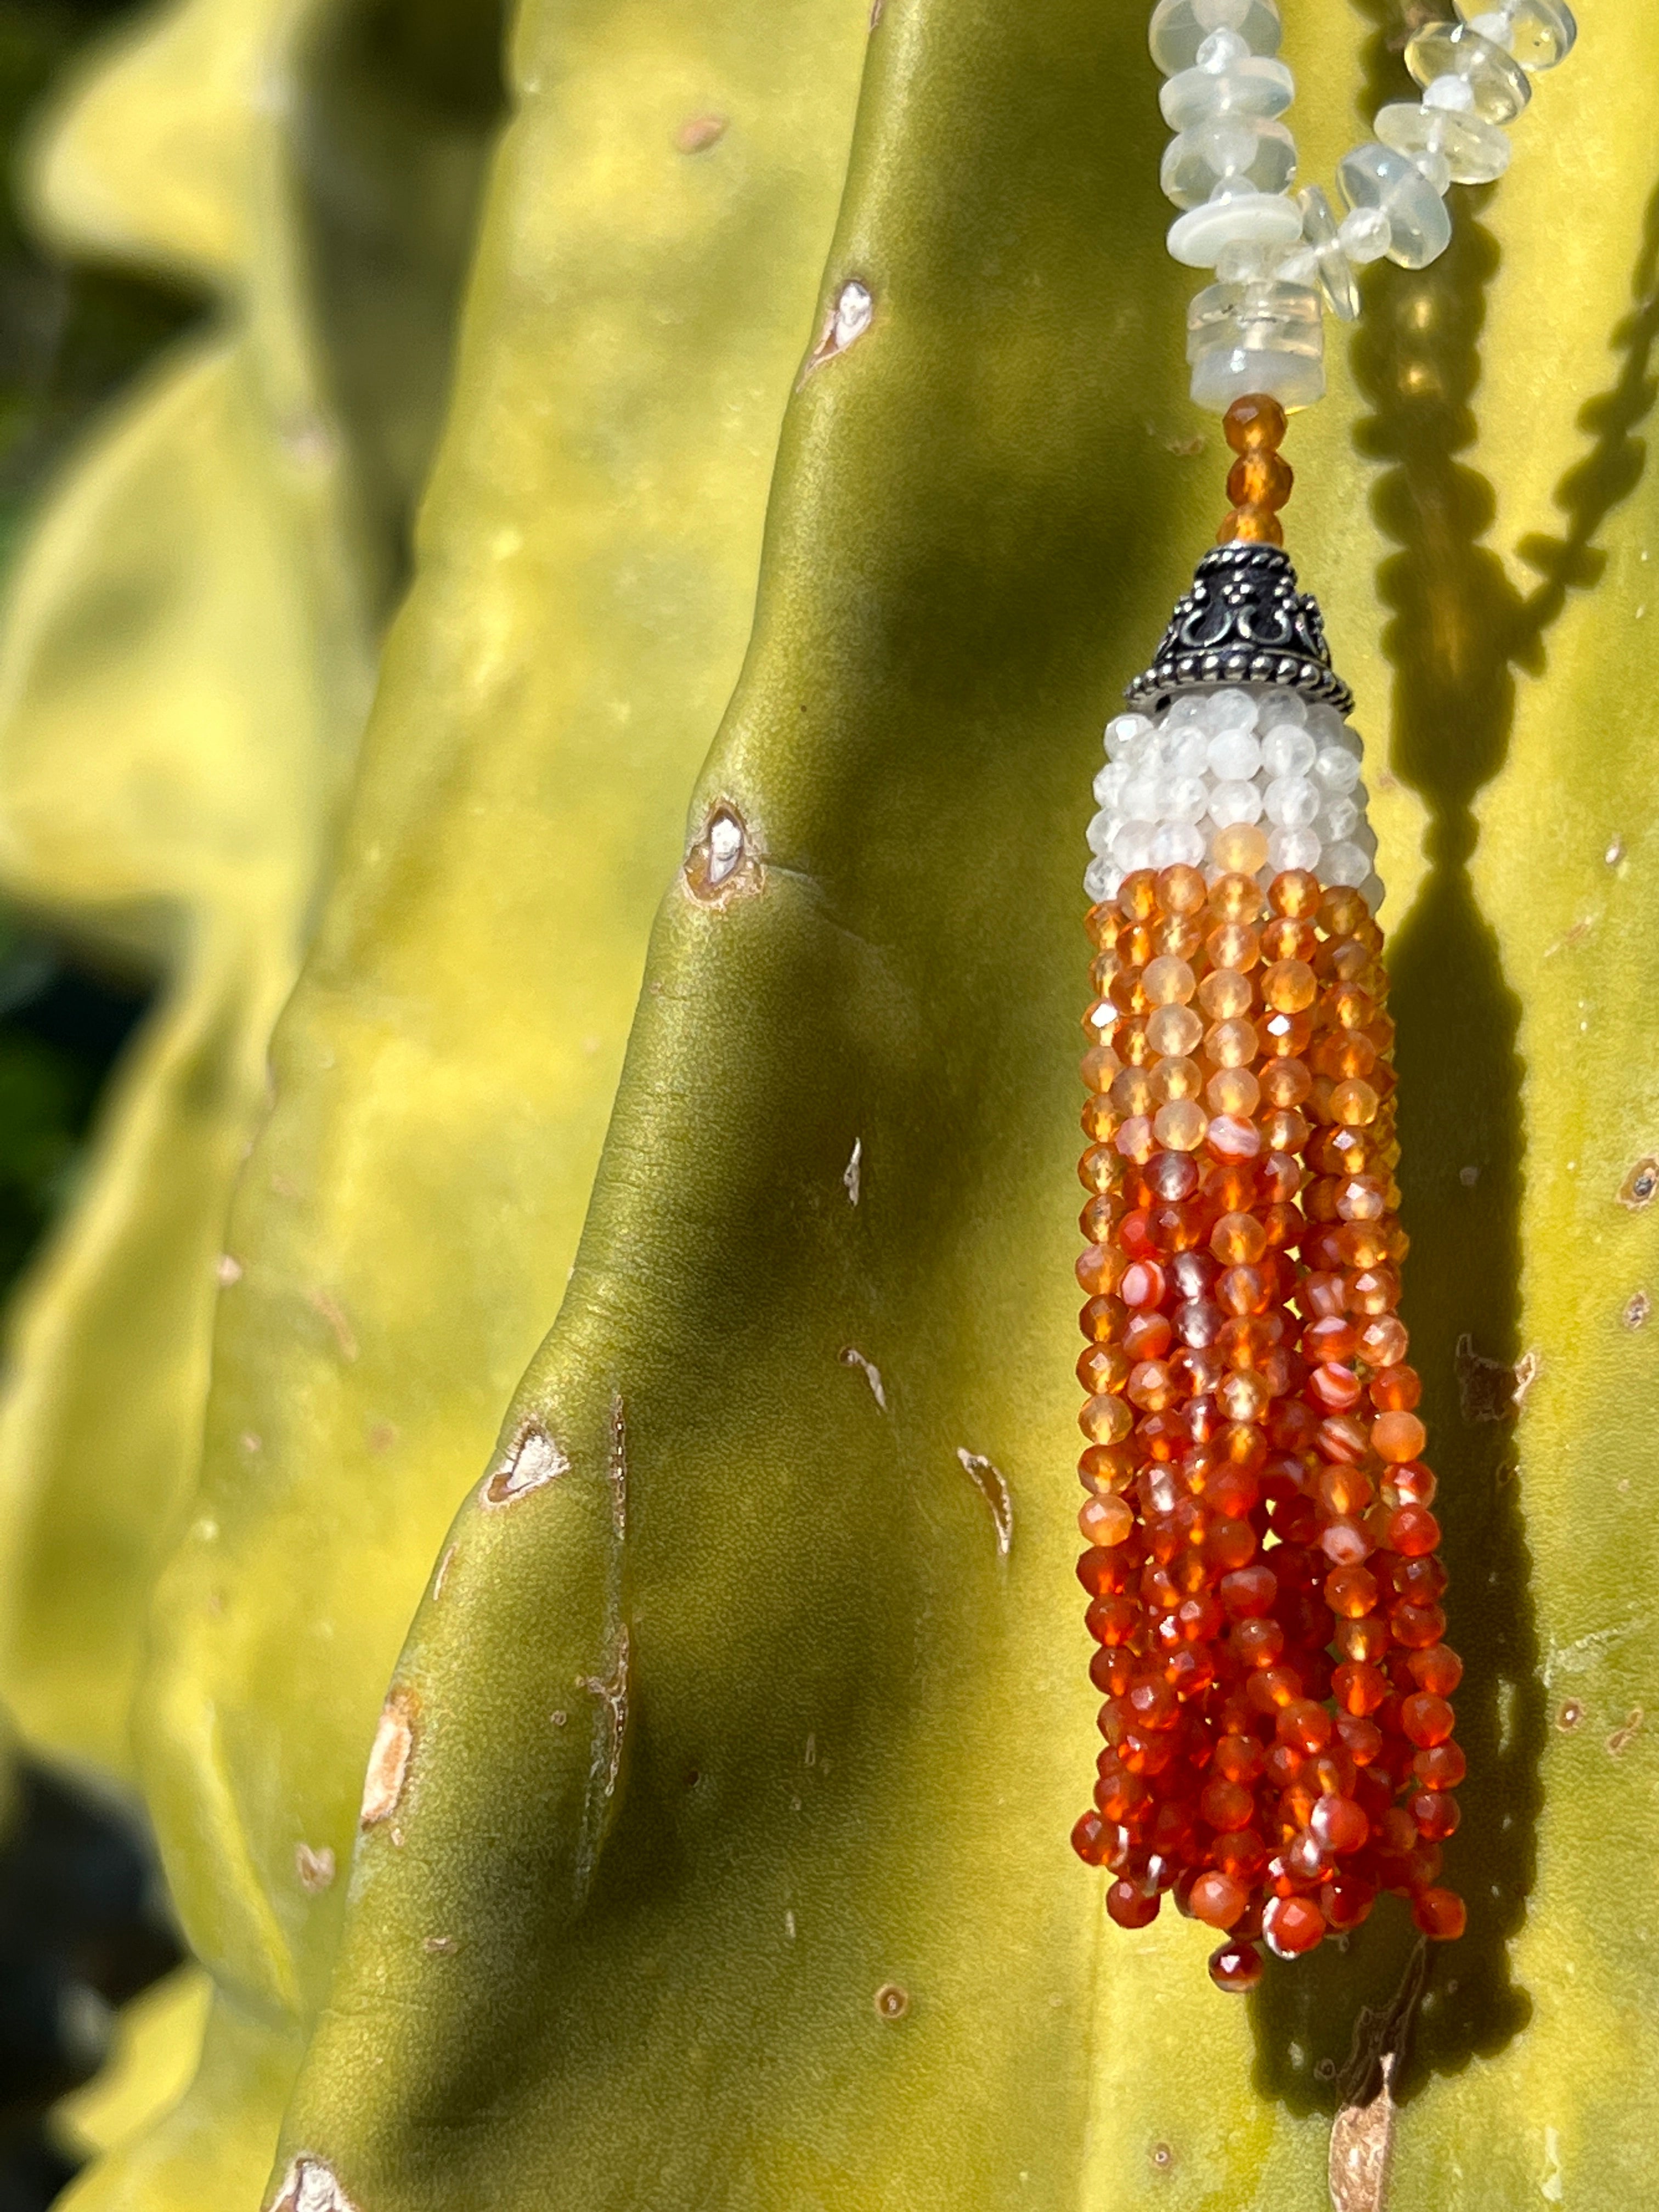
[1242, 622]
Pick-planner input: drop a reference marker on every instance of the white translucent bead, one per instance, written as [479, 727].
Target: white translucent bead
[1143, 797]
[1451, 95]
[1344, 864]
[1473, 152]
[1222, 51]
[1100, 879]
[1338, 819]
[1287, 751]
[1179, 28]
[1177, 844]
[1277, 706]
[1292, 849]
[1537, 33]
[1231, 708]
[1102, 829]
[1291, 801]
[1125, 734]
[1188, 709]
[1366, 234]
[1332, 270]
[1198, 238]
[1235, 149]
[1185, 798]
[1235, 755]
[1418, 225]
[1132, 848]
[1334, 770]
[1234, 802]
[1364, 837]
[1109, 784]
[1250, 87]
[1499, 87]
[1189, 754]
[1327, 724]
[1374, 892]
[1256, 338]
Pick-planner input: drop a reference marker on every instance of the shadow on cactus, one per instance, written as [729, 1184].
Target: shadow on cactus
[1461, 630]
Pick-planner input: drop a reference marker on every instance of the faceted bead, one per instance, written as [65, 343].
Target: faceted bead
[1437, 1669]
[1106, 1521]
[1105, 1420]
[1440, 1914]
[1130, 1905]
[1173, 1030]
[1292, 1926]
[1413, 1529]
[1436, 1813]
[1236, 1966]
[1091, 1839]
[1239, 849]
[1218, 1899]
[1398, 1437]
[1427, 1719]
[1441, 1766]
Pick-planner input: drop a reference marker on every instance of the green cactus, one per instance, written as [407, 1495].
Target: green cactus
[717, 1846]
[713, 1844]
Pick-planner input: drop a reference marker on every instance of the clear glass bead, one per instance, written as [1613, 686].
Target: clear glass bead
[1539, 34]
[1102, 829]
[1450, 93]
[1199, 238]
[1293, 848]
[1235, 756]
[1258, 337]
[1418, 225]
[1179, 28]
[1291, 802]
[1234, 150]
[1126, 734]
[1287, 749]
[1255, 87]
[1499, 85]
[1333, 269]
[1364, 234]
[1474, 152]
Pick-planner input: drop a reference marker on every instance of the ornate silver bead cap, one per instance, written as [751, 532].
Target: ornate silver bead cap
[1242, 622]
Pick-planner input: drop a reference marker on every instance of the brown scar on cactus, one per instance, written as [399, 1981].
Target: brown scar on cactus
[1362, 2134]
[617, 1465]
[389, 1757]
[698, 132]
[1637, 1190]
[1491, 1389]
[311, 2185]
[533, 1458]
[989, 1481]
[612, 1694]
[847, 318]
[722, 865]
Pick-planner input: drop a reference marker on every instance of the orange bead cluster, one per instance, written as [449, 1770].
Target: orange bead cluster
[1261, 1563]
[1259, 481]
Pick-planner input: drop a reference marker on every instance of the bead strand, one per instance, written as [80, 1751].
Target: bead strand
[1260, 1561]
[1281, 262]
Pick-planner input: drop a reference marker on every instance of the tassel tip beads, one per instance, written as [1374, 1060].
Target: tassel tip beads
[1264, 1593]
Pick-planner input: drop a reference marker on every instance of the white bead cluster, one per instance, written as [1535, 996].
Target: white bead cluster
[1176, 787]
[1279, 261]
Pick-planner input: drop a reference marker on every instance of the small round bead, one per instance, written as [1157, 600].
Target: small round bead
[1440, 1913]
[1340, 1824]
[1398, 1438]
[1255, 423]
[1292, 1926]
[1236, 1966]
[1173, 1030]
[1425, 1719]
[1240, 848]
[1218, 1899]
[1130, 1905]
[1181, 890]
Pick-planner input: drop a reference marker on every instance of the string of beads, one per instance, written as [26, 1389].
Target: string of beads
[1281, 262]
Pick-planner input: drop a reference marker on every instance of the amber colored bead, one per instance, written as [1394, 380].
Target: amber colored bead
[1255, 526]
[1395, 1389]
[1134, 1046]
[1284, 1036]
[1130, 1905]
[1340, 1825]
[1417, 1626]
[1292, 1926]
[1413, 1530]
[1105, 1521]
[1351, 1593]
[1372, 1291]
[1103, 922]
[1167, 981]
[1137, 894]
[1360, 1690]
[1100, 1169]
[1218, 1899]
[1233, 945]
[1147, 1335]
[1099, 1066]
[1174, 1029]
[1440, 1766]
[1226, 1805]
[1440, 1913]
[1398, 1437]
[1100, 1268]
[1236, 896]
[1102, 1367]
[1285, 1083]
[1176, 1078]
[1254, 424]
[1260, 478]
[1305, 1724]
[1091, 1839]
[1181, 891]
[1105, 1420]
[1289, 986]
[1177, 937]
[1103, 1319]
[1233, 1092]
[1113, 1619]
[1342, 911]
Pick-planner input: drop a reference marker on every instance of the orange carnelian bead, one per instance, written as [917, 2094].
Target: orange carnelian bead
[1106, 1521]
[1101, 1368]
[1102, 1321]
[1440, 1913]
[1295, 892]
[1440, 1766]
[1236, 1966]
[1350, 1592]
[1137, 895]
[1181, 890]
[1292, 1926]
[1216, 1898]
[1398, 1437]
[1234, 896]
[1235, 944]
[1130, 1905]
[1427, 1719]
[1254, 524]
[1436, 1813]
[1339, 1824]
[1224, 993]
[1105, 1420]
[1437, 1669]
[1260, 478]
[1255, 424]
[1413, 1531]
[1091, 1839]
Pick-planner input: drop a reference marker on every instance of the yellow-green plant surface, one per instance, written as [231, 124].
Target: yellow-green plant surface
[717, 1850]
[659, 209]
[184, 662]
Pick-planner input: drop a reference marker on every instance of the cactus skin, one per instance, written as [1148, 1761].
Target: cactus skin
[519, 808]
[848, 1758]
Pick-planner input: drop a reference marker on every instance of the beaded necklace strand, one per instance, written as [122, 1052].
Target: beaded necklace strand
[1261, 1555]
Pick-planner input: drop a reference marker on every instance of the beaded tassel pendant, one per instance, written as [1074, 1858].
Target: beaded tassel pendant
[1264, 1592]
